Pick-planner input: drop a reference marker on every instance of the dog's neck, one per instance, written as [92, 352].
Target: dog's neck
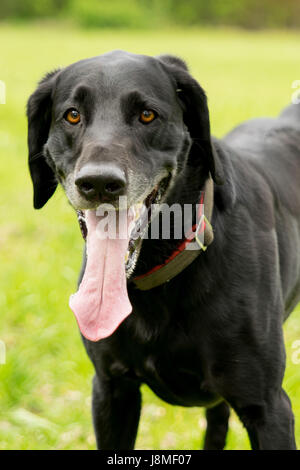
[157, 251]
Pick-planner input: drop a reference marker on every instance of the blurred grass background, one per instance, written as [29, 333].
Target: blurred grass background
[253, 14]
[46, 381]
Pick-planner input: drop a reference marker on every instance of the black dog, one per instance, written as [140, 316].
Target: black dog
[207, 331]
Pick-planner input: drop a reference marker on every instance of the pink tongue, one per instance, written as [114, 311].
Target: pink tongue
[102, 303]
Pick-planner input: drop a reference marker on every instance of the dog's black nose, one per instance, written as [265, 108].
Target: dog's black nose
[101, 182]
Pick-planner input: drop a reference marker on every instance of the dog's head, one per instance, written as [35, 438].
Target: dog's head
[117, 124]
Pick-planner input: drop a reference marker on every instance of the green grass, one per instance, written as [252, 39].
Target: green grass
[45, 383]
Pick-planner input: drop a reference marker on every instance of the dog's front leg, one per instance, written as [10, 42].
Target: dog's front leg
[270, 425]
[116, 405]
[217, 426]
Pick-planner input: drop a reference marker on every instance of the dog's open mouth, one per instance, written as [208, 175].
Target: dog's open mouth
[102, 303]
[142, 213]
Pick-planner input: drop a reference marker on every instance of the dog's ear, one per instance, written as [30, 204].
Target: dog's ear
[39, 113]
[173, 61]
[195, 116]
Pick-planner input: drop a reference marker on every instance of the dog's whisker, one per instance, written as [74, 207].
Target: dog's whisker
[36, 156]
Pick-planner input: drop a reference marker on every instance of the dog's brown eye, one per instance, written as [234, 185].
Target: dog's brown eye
[72, 116]
[147, 116]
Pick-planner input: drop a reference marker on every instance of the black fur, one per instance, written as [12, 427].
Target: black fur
[212, 336]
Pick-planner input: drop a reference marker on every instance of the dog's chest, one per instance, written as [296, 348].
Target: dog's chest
[175, 381]
[163, 351]
[173, 369]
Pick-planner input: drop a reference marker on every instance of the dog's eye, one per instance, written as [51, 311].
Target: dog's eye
[147, 116]
[72, 116]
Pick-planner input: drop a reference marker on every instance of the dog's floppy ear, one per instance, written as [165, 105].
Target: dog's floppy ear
[39, 112]
[195, 115]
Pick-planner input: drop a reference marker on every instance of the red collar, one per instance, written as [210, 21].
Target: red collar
[183, 256]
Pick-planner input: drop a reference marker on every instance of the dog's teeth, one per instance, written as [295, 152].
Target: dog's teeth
[137, 209]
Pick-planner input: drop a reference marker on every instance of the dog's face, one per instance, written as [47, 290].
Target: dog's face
[115, 125]
[116, 129]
